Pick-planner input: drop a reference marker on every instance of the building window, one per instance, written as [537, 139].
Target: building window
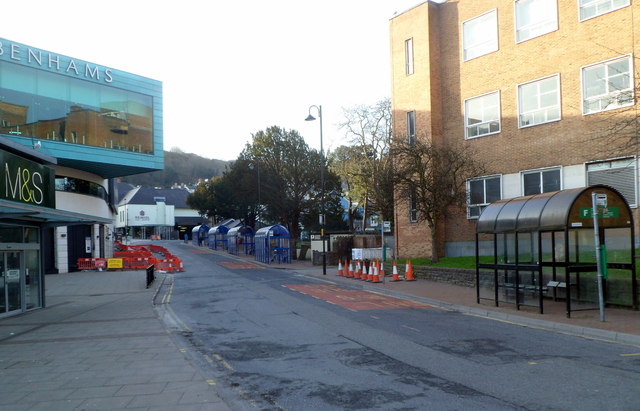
[541, 181]
[79, 186]
[413, 207]
[535, 18]
[408, 56]
[482, 192]
[411, 127]
[539, 101]
[593, 8]
[480, 35]
[619, 174]
[482, 115]
[607, 85]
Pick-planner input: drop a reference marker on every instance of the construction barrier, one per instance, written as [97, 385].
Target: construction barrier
[137, 257]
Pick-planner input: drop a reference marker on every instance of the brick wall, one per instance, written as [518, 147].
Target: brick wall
[442, 81]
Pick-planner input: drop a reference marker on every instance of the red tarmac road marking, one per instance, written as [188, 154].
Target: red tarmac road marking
[236, 265]
[354, 300]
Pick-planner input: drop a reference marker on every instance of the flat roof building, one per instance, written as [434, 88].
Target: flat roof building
[67, 128]
[542, 91]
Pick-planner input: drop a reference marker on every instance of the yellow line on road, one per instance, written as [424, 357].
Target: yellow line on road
[635, 354]
[211, 382]
[223, 362]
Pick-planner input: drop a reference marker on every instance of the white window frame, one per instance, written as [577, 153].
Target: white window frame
[540, 171]
[485, 121]
[583, 4]
[481, 47]
[626, 96]
[558, 106]
[483, 205]
[411, 121]
[612, 164]
[408, 56]
[538, 28]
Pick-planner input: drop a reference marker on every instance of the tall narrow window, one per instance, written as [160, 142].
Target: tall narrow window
[539, 101]
[482, 115]
[413, 207]
[481, 192]
[480, 35]
[607, 85]
[535, 18]
[408, 56]
[593, 8]
[411, 127]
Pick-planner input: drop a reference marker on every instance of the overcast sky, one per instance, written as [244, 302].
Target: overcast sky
[229, 69]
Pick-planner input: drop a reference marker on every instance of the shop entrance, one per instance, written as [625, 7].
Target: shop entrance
[11, 281]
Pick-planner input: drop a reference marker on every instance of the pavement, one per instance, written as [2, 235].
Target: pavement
[103, 341]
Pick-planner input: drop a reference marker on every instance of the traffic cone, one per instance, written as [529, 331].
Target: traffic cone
[395, 272]
[370, 275]
[376, 272]
[382, 273]
[347, 269]
[358, 270]
[408, 275]
[340, 271]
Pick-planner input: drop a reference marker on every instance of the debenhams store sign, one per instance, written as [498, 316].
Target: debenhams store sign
[27, 182]
[20, 53]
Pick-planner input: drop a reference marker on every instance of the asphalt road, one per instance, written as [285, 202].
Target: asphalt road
[269, 338]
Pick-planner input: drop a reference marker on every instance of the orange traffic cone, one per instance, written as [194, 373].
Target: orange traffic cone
[395, 272]
[358, 271]
[348, 272]
[376, 272]
[408, 275]
[340, 271]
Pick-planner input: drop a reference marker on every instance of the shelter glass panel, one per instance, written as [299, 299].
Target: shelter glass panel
[487, 284]
[617, 242]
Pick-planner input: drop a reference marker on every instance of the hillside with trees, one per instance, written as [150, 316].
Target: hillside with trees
[179, 168]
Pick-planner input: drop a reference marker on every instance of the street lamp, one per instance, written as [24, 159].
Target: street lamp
[322, 216]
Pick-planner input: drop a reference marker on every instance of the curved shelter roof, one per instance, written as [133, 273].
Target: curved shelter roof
[277, 230]
[556, 210]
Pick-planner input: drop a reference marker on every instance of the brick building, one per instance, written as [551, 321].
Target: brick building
[540, 90]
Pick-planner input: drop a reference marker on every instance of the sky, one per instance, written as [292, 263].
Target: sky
[229, 68]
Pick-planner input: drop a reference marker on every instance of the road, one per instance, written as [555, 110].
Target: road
[271, 338]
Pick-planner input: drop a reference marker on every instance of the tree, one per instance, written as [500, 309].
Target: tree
[289, 174]
[434, 178]
[369, 129]
[201, 199]
[345, 161]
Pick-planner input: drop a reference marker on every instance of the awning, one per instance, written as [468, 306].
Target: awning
[42, 215]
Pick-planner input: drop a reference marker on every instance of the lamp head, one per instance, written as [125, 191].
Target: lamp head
[309, 118]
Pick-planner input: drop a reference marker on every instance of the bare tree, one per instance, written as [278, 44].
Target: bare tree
[434, 178]
[369, 129]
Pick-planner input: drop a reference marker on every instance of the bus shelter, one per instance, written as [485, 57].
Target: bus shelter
[543, 249]
[199, 234]
[240, 240]
[273, 244]
[218, 237]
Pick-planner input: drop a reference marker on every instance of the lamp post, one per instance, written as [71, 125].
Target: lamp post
[322, 216]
